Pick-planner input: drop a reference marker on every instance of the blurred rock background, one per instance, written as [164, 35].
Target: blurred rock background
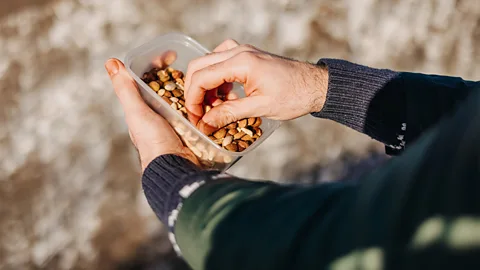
[70, 195]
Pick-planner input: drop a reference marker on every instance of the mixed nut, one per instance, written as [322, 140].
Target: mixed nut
[236, 137]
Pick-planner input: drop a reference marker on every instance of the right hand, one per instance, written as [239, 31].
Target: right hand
[275, 87]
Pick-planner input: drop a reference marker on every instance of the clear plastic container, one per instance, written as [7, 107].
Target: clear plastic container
[141, 59]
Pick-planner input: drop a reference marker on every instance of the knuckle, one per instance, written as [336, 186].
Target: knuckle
[248, 58]
[231, 42]
[248, 47]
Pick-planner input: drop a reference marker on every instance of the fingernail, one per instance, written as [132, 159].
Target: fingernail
[112, 67]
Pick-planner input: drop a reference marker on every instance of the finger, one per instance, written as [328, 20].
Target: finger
[126, 89]
[226, 45]
[234, 110]
[210, 59]
[165, 60]
[235, 69]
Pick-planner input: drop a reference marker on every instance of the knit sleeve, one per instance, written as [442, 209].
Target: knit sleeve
[392, 107]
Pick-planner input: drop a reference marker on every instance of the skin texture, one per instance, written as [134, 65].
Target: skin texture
[149, 132]
[275, 87]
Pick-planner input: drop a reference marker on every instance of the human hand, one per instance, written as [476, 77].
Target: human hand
[275, 87]
[149, 132]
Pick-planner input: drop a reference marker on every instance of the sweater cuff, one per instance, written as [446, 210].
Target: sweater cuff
[163, 179]
[351, 87]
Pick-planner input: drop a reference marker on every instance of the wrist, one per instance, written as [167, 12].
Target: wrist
[317, 87]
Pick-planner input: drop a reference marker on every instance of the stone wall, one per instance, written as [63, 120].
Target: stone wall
[70, 195]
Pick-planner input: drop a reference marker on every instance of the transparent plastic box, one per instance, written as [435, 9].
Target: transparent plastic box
[142, 59]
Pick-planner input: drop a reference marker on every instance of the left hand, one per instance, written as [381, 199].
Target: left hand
[149, 132]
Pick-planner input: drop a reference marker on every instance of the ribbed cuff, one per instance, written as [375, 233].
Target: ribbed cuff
[351, 87]
[162, 180]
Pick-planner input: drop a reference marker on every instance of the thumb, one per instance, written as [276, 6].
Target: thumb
[234, 110]
[126, 90]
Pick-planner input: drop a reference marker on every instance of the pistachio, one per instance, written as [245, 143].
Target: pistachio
[169, 86]
[242, 123]
[154, 85]
[220, 133]
[227, 140]
[177, 93]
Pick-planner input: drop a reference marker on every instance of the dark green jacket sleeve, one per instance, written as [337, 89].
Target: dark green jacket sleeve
[392, 107]
[237, 224]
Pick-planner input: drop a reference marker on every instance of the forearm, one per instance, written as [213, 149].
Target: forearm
[383, 103]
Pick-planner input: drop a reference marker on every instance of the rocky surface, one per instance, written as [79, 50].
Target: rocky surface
[70, 196]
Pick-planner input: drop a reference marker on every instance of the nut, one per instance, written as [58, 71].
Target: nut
[258, 122]
[177, 93]
[227, 140]
[232, 147]
[232, 126]
[236, 136]
[239, 135]
[180, 86]
[258, 131]
[177, 74]
[220, 133]
[169, 86]
[242, 144]
[247, 131]
[251, 121]
[242, 123]
[247, 138]
[163, 75]
[167, 100]
[154, 85]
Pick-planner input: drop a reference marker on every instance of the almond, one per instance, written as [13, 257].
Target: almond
[220, 133]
